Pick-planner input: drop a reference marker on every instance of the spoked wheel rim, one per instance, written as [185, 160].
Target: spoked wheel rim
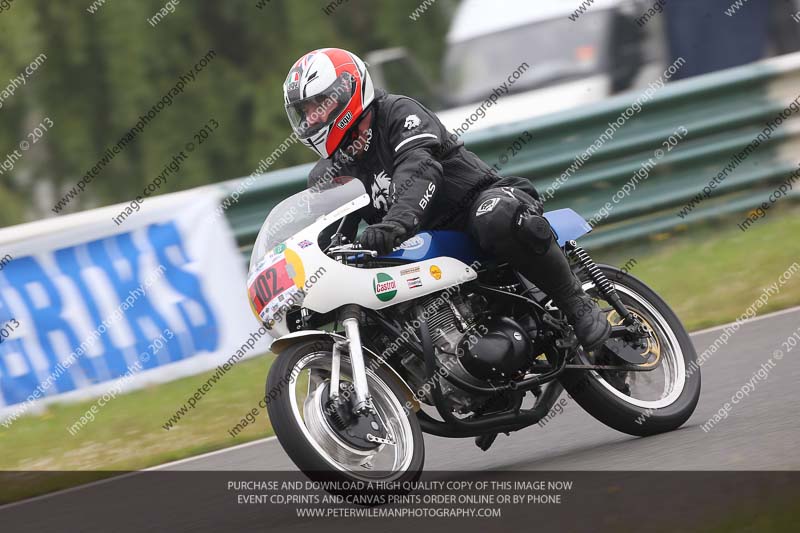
[386, 461]
[657, 388]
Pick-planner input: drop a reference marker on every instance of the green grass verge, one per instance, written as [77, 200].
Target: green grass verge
[127, 432]
[708, 277]
[713, 274]
[774, 517]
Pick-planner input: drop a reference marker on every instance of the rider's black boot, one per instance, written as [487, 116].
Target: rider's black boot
[549, 270]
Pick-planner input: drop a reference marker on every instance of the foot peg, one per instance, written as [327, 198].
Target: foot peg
[484, 442]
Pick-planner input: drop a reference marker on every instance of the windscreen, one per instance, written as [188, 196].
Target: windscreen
[299, 211]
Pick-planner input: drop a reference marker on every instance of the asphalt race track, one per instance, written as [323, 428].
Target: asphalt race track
[761, 432]
[756, 445]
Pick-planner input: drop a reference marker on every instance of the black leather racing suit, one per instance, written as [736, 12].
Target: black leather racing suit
[421, 177]
[418, 174]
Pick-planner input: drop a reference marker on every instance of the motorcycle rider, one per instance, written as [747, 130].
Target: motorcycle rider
[420, 177]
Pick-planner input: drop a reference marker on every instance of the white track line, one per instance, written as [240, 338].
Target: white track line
[67, 490]
[209, 454]
[748, 320]
[117, 478]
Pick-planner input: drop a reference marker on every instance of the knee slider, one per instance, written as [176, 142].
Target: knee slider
[492, 223]
[533, 230]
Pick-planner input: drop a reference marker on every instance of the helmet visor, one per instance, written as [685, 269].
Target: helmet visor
[312, 114]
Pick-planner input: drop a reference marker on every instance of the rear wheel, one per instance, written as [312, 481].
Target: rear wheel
[325, 440]
[640, 403]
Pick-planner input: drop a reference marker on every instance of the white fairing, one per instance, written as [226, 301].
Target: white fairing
[320, 283]
[341, 284]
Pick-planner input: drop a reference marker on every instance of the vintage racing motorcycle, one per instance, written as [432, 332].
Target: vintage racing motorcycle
[373, 351]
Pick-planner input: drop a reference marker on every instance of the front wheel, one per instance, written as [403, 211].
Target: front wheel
[323, 439]
[640, 403]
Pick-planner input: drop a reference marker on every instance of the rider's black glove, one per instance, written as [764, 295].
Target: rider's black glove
[382, 237]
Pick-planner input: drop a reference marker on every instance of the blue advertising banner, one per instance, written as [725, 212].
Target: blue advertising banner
[78, 316]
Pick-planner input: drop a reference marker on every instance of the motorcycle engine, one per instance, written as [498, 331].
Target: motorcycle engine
[471, 343]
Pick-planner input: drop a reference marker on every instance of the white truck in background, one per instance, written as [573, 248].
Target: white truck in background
[569, 62]
[577, 52]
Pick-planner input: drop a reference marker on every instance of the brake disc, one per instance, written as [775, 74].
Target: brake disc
[363, 431]
[646, 355]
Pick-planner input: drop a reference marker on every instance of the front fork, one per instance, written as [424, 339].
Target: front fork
[363, 401]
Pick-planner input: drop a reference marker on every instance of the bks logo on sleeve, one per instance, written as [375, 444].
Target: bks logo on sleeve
[423, 203]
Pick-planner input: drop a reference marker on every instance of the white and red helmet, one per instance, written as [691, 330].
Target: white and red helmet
[325, 93]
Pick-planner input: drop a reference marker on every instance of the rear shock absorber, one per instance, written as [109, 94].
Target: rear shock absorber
[604, 287]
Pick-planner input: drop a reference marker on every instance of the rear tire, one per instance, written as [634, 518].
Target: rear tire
[593, 391]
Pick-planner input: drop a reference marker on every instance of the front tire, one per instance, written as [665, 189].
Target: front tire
[610, 396]
[305, 431]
